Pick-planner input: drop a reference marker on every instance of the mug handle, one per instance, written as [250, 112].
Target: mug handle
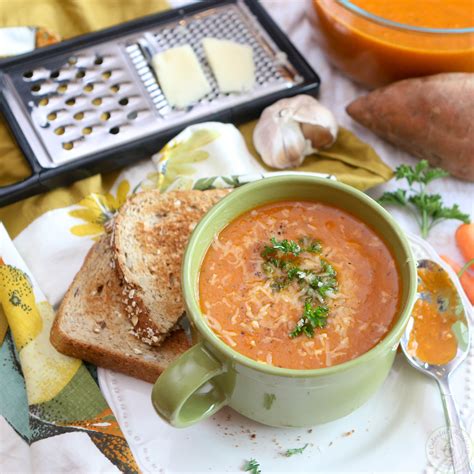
[176, 396]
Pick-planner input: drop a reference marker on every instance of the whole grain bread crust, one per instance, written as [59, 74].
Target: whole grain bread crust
[150, 235]
[91, 324]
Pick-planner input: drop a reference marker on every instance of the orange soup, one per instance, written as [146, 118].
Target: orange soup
[300, 285]
[376, 54]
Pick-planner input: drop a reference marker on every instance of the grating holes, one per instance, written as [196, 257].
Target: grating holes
[87, 130]
[98, 60]
[104, 116]
[52, 116]
[123, 101]
[114, 130]
[71, 102]
[68, 146]
[79, 115]
[88, 88]
[43, 102]
[54, 75]
[80, 74]
[28, 74]
[61, 89]
[106, 75]
[115, 88]
[132, 115]
[97, 101]
[36, 88]
[59, 131]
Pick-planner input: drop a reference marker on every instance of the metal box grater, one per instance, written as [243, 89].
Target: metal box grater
[93, 103]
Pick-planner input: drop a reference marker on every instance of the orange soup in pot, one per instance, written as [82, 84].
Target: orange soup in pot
[300, 285]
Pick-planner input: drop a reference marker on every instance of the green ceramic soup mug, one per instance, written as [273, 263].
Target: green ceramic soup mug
[211, 374]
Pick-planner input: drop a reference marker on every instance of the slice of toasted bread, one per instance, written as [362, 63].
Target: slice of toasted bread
[150, 234]
[91, 323]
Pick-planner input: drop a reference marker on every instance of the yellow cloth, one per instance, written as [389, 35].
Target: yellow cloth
[351, 160]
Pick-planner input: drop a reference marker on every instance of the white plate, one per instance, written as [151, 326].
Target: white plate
[392, 432]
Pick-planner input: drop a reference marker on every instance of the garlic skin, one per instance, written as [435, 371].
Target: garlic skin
[293, 128]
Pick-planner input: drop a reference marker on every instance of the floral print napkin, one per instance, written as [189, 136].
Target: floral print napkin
[46, 396]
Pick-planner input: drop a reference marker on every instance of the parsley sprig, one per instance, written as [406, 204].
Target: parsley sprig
[313, 318]
[252, 466]
[428, 209]
[293, 451]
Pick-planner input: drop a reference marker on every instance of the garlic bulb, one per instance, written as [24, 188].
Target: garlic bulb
[293, 128]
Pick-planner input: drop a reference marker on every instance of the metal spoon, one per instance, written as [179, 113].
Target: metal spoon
[441, 373]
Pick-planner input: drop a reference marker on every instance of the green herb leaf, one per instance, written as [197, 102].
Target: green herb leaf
[327, 267]
[268, 268]
[279, 283]
[421, 173]
[268, 400]
[312, 318]
[310, 245]
[293, 451]
[428, 208]
[252, 466]
[286, 246]
[396, 198]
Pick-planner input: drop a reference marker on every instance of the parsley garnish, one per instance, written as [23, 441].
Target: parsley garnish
[284, 246]
[428, 209]
[293, 451]
[313, 317]
[283, 266]
[290, 247]
[252, 466]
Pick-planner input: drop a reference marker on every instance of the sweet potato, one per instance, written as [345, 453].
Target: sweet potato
[429, 117]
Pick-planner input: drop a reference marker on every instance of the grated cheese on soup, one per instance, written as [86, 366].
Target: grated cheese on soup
[299, 285]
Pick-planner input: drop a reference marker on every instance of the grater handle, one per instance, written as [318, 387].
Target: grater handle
[31, 185]
[20, 190]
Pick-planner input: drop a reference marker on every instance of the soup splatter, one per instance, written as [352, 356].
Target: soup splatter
[300, 285]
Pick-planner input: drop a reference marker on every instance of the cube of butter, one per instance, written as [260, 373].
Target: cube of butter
[232, 64]
[180, 75]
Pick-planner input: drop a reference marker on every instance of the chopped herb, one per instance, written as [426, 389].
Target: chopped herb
[313, 317]
[279, 283]
[292, 452]
[327, 267]
[252, 466]
[284, 246]
[282, 265]
[293, 272]
[428, 209]
[268, 268]
[310, 245]
[268, 400]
